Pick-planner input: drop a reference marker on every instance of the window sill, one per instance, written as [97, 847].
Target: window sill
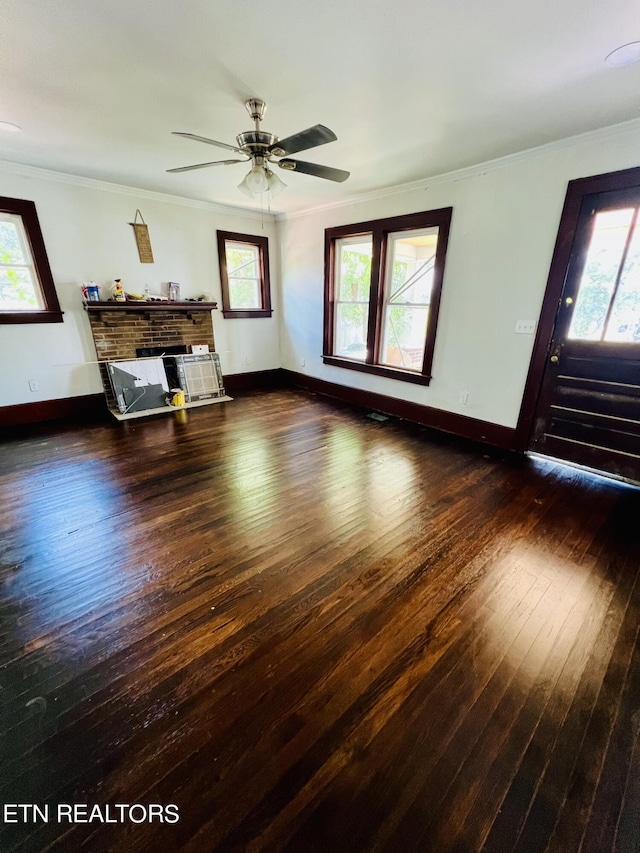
[377, 370]
[30, 317]
[237, 315]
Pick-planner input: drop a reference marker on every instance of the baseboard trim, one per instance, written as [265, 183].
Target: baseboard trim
[471, 428]
[94, 406]
[83, 407]
[257, 380]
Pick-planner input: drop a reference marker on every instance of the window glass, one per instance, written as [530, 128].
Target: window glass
[408, 283]
[19, 289]
[353, 284]
[243, 270]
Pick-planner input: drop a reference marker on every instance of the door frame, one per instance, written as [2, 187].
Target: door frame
[576, 191]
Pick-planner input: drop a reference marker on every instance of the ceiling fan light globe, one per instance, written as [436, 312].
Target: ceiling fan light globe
[257, 180]
[276, 186]
[244, 187]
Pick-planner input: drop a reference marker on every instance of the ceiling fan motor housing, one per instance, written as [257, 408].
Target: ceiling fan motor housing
[255, 141]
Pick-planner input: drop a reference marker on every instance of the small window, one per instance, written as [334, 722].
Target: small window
[382, 294]
[244, 275]
[27, 291]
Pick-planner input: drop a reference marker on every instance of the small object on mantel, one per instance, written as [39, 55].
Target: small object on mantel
[117, 291]
[91, 291]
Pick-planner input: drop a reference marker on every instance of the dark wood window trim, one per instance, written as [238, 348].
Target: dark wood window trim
[379, 229]
[262, 244]
[51, 313]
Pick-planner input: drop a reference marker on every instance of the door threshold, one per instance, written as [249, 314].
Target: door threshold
[605, 475]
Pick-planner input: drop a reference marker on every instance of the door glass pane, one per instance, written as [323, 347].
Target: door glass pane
[601, 267]
[353, 283]
[624, 323]
[407, 288]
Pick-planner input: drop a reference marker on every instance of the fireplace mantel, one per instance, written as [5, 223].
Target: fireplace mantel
[147, 307]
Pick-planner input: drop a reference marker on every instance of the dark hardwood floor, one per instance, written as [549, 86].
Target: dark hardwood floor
[315, 632]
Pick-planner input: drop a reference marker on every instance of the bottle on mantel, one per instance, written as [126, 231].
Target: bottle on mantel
[117, 291]
[174, 291]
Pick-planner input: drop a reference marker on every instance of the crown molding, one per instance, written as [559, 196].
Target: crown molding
[600, 134]
[476, 170]
[12, 168]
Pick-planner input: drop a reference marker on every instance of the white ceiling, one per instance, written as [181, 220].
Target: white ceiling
[412, 88]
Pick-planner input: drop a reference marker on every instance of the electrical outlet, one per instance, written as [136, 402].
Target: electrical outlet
[464, 398]
[34, 385]
[525, 327]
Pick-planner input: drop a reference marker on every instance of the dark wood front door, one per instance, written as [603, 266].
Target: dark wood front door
[588, 410]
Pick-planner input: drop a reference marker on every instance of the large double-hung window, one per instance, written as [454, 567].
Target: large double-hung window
[383, 281]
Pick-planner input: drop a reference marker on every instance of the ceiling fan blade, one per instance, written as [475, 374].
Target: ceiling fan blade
[309, 138]
[207, 140]
[327, 172]
[204, 165]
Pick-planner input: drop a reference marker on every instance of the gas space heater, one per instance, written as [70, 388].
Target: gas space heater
[200, 376]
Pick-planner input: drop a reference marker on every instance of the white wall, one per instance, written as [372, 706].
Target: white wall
[505, 221]
[87, 236]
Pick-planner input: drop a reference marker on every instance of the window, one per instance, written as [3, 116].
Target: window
[27, 291]
[382, 294]
[244, 275]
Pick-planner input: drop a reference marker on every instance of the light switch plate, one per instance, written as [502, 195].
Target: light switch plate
[525, 327]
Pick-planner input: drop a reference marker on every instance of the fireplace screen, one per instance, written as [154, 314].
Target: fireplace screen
[139, 384]
[144, 383]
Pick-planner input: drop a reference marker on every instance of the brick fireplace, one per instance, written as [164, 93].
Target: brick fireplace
[120, 330]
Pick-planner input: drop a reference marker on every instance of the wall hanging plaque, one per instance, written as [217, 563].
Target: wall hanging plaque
[142, 239]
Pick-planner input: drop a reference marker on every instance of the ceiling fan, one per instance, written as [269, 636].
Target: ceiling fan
[260, 148]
